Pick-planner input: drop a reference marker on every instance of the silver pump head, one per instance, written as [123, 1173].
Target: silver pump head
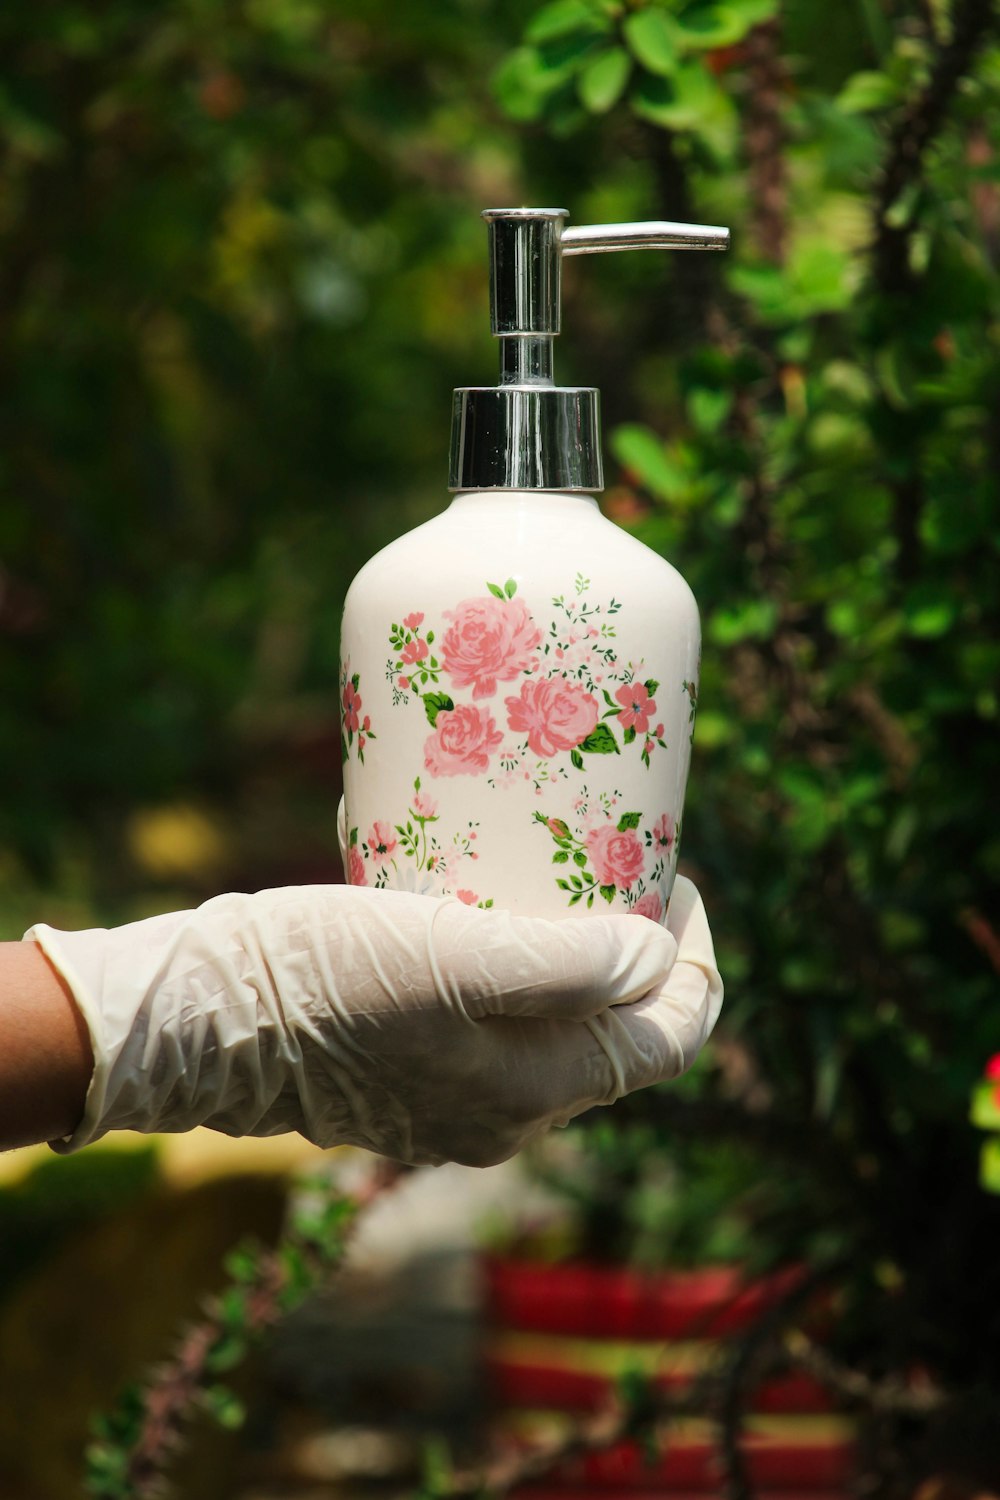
[526, 433]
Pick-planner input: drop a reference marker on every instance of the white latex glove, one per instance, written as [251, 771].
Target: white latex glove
[420, 1028]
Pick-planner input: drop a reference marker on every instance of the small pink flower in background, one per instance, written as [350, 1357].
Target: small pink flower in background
[663, 832]
[424, 806]
[414, 621]
[992, 1069]
[404, 683]
[556, 715]
[414, 651]
[649, 906]
[489, 640]
[355, 867]
[617, 858]
[362, 742]
[464, 738]
[637, 706]
[658, 731]
[593, 633]
[366, 723]
[352, 702]
[382, 838]
[469, 897]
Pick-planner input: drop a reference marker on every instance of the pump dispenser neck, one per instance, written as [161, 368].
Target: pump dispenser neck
[526, 433]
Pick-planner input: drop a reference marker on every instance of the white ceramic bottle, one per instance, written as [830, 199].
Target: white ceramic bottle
[519, 677]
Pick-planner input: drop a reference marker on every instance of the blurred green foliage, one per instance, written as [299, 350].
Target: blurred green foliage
[241, 268]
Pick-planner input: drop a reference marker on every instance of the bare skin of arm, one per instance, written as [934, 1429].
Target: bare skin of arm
[45, 1054]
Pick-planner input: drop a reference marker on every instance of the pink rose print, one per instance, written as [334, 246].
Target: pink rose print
[663, 832]
[489, 640]
[404, 683]
[355, 867]
[469, 897]
[414, 651]
[555, 714]
[352, 702]
[462, 743]
[424, 806]
[649, 906]
[414, 621]
[637, 706]
[382, 839]
[617, 858]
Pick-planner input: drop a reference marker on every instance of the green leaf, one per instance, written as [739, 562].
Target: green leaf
[496, 591]
[561, 857]
[985, 1111]
[608, 892]
[522, 83]
[226, 1353]
[708, 409]
[652, 39]
[644, 455]
[866, 92]
[651, 686]
[712, 26]
[692, 101]
[930, 610]
[562, 18]
[224, 1406]
[989, 1165]
[602, 82]
[600, 741]
[576, 759]
[580, 858]
[629, 734]
[629, 820]
[510, 587]
[434, 703]
[750, 619]
[353, 837]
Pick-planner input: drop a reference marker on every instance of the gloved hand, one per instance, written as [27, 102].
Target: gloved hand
[420, 1028]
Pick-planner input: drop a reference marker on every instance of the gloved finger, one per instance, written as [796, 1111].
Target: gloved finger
[342, 832]
[493, 963]
[660, 1036]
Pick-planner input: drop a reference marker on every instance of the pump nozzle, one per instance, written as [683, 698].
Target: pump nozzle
[526, 432]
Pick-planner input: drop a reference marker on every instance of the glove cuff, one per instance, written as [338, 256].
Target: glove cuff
[78, 976]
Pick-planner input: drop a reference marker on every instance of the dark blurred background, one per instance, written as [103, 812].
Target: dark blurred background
[241, 268]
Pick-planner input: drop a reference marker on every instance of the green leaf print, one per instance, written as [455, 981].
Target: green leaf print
[599, 742]
[434, 703]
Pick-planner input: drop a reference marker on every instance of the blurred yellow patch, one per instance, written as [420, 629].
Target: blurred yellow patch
[175, 841]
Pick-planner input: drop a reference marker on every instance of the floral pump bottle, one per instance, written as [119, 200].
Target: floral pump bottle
[519, 677]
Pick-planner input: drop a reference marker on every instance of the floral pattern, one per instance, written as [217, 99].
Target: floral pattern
[415, 854]
[524, 699]
[612, 856]
[351, 721]
[563, 706]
